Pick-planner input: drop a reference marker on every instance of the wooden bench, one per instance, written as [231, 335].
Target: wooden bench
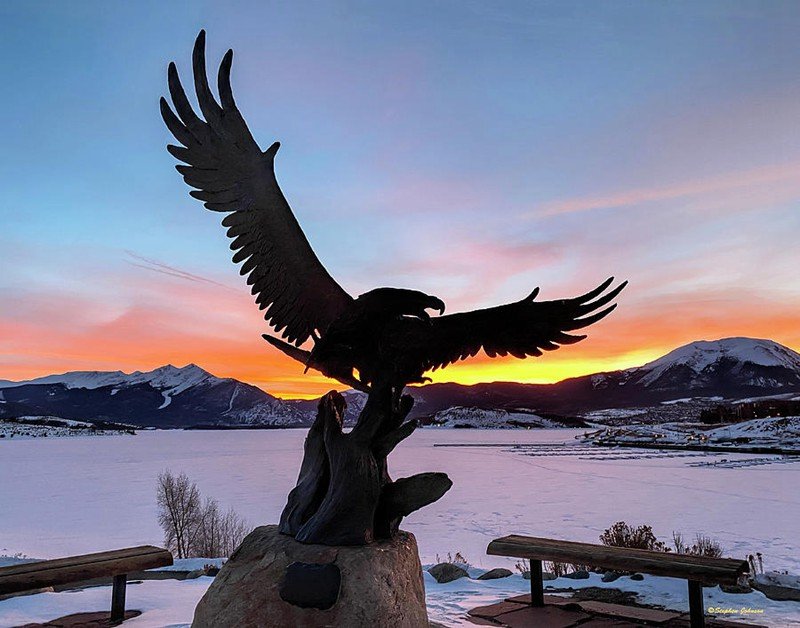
[116, 563]
[697, 570]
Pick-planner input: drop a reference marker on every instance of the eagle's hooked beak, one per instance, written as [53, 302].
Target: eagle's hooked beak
[436, 304]
[431, 303]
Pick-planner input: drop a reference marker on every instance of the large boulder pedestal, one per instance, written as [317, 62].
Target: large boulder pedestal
[272, 580]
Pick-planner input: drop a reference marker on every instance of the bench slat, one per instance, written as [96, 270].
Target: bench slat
[558, 545]
[77, 568]
[698, 568]
[77, 560]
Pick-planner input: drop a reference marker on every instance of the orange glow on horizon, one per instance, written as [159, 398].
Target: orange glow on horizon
[548, 369]
[283, 378]
[172, 323]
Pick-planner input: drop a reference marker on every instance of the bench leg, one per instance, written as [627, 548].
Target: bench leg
[537, 586]
[118, 599]
[697, 611]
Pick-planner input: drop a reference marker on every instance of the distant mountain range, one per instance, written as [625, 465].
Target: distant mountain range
[731, 368]
[165, 397]
[190, 396]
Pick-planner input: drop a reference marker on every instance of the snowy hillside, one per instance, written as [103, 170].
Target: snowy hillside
[703, 355]
[171, 379]
[168, 396]
[480, 418]
[308, 407]
[729, 368]
[779, 433]
[27, 427]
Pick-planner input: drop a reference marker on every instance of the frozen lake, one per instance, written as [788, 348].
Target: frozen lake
[76, 495]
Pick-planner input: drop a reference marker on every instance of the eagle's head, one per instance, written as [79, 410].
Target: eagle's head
[393, 302]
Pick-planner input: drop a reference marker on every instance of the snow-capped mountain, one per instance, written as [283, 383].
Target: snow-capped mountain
[169, 380]
[726, 366]
[168, 396]
[484, 418]
[747, 360]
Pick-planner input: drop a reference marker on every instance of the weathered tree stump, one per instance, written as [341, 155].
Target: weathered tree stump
[344, 494]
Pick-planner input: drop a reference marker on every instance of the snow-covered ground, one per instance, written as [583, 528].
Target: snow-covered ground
[171, 602]
[48, 427]
[163, 602]
[458, 416]
[537, 482]
[777, 432]
[447, 601]
[614, 413]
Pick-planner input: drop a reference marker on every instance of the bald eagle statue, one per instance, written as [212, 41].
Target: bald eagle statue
[376, 343]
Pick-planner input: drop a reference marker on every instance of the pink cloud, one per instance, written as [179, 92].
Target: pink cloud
[735, 181]
[466, 270]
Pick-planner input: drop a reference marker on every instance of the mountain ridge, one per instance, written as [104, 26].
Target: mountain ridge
[171, 396]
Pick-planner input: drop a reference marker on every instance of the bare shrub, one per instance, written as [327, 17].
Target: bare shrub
[178, 512]
[194, 527]
[756, 564]
[233, 529]
[703, 546]
[206, 541]
[458, 559]
[623, 535]
[556, 568]
[706, 546]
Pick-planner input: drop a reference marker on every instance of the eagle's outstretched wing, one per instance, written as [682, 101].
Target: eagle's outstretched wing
[232, 174]
[524, 328]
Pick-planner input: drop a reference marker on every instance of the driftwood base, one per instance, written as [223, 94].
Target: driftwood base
[344, 494]
[273, 580]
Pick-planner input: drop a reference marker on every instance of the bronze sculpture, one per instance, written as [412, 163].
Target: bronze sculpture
[377, 343]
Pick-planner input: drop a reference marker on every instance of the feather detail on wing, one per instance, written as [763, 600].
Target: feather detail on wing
[231, 174]
[522, 329]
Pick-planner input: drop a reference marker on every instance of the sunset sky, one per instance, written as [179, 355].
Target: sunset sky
[473, 150]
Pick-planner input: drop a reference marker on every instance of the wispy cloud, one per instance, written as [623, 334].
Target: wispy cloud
[466, 271]
[757, 177]
[160, 267]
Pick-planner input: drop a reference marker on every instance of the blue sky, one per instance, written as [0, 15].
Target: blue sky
[470, 149]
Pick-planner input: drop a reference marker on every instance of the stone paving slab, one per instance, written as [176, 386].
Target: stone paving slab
[480, 621]
[551, 600]
[520, 599]
[683, 622]
[542, 617]
[82, 620]
[566, 612]
[493, 610]
[608, 622]
[722, 623]
[634, 613]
